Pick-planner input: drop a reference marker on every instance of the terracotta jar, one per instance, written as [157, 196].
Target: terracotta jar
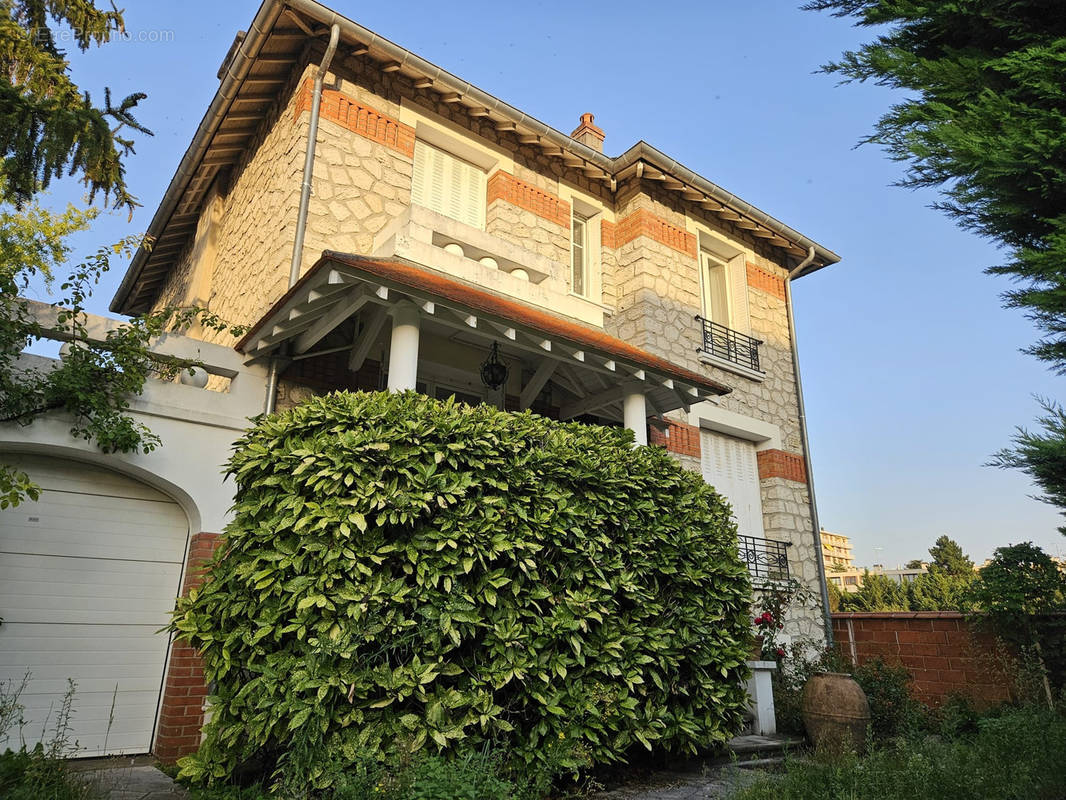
[835, 712]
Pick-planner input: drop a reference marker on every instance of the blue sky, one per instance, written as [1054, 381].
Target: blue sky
[911, 368]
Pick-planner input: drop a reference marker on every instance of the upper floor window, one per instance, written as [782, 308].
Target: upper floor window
[448, 185]
[715, 289]
[579, 255]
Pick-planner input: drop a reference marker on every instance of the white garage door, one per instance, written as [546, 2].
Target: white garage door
[88, 576]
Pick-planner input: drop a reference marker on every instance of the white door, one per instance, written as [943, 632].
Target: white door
[88, 576]
[731, 467]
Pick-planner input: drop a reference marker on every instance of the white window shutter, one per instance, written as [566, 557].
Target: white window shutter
[730, 466]
[448, 185]
[738, 289]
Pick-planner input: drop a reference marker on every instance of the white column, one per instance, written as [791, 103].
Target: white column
[761, 697]
[635, 416]
[403, 349]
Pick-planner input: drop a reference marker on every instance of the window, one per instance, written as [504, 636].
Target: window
[448, 185]
[730, 466]
[579, 255]
[851, 580]
[715, 289]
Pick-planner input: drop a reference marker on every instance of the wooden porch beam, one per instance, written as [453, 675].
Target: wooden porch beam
[536, 383]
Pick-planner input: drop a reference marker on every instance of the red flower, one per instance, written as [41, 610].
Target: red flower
[780, 652]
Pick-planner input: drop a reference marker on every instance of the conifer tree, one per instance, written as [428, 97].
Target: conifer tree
[984, 121]
[48, 126]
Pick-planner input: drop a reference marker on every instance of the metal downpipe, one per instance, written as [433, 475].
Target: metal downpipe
[827, 620]
[305, 198]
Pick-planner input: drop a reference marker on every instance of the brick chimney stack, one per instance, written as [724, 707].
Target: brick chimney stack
[589, 134]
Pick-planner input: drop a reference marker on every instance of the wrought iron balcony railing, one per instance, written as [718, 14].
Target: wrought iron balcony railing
[766, 559]
[734, 346]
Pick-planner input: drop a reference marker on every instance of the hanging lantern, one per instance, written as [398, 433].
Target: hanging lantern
[494, 371]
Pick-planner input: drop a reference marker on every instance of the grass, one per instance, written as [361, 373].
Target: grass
[1020, 755]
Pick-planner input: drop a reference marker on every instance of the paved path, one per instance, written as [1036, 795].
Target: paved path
[134, 783]
[715, 782]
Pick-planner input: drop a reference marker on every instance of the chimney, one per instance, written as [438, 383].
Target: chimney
[589, 134]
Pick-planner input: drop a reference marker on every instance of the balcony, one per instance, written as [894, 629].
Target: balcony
[766, 559]
[724, 344]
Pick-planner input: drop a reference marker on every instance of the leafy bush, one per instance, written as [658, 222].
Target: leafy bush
[405, 573]
[1019, 755]
[893, 712]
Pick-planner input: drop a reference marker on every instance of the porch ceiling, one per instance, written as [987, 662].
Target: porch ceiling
[594, 368]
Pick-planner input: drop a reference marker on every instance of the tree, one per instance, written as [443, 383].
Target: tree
[877, 593]
[983, 122]
[1019, 584]
[915, 563]
[1041, 455]
[48, 126]
[949, 559]
[939, 591]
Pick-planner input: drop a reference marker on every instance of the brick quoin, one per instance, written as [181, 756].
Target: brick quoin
[938, 648]
[505, 186]
[781, 464]
[181, 713]
[607, 234]
[764, 281]
[358, 118]
[677, 438]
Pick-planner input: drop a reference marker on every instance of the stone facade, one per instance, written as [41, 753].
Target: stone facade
[649, 262]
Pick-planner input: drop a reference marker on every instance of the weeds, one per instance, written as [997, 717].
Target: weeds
[1021, 754]
[40, 772]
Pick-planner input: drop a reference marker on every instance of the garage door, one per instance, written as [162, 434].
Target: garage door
[88, 576]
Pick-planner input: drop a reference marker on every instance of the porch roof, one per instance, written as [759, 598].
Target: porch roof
[340, 285]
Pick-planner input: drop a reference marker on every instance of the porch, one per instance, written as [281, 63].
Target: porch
[354, 322]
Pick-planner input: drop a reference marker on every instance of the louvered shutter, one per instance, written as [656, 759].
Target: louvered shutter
[738, 289]
[730, 466]
[448, 185]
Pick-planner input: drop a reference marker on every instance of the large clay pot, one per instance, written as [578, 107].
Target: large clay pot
[835, 712]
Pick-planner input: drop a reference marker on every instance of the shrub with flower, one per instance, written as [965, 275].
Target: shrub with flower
[767, 628]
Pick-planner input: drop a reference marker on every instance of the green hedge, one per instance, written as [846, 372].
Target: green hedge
[405, 573]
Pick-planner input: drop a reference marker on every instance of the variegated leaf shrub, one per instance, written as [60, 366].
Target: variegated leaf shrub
[404, 573]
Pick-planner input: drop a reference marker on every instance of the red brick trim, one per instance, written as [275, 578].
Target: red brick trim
[781, 464]
[644, 223]
[505, 186]
[607, 234]
[181, 713]
[358, 118]
[759, 278]
[677, 438]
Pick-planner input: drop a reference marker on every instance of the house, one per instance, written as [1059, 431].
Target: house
[433, 238]
[850, 579]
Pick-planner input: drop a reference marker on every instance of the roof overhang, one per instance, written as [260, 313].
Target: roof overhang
[260, 64]
[341, 285]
